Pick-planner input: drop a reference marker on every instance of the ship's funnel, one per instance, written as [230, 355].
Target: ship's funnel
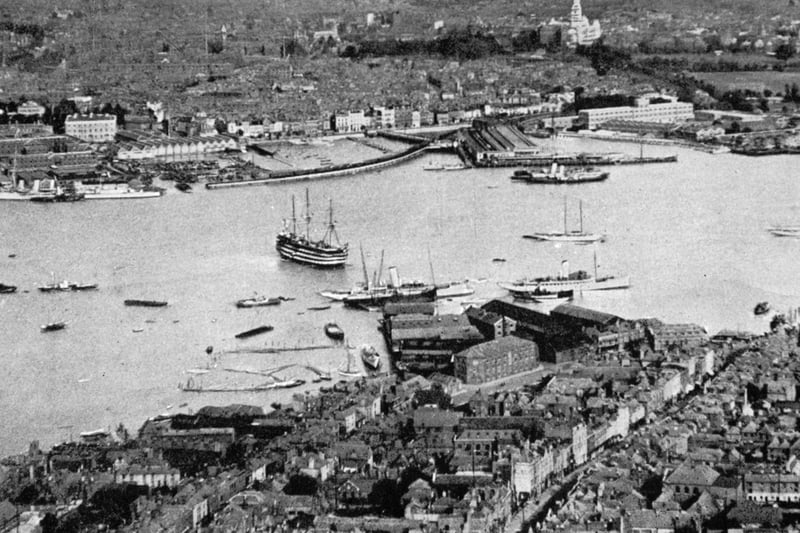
[394, 277]
[564, 269]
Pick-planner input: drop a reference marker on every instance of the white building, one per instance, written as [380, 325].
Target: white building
[642, 112]
[30, 109]
[581, 31]
[350, 121]
[384, 117]
[91, 128]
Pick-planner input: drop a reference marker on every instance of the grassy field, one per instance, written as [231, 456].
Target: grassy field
[755, 81]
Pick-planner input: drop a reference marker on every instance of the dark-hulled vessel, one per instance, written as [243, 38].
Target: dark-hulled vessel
[145, 303]
[333, 331]
[67, 286]
[53, 326]
[7, 289]
[301, 249]
[254, 331]
[559, 175]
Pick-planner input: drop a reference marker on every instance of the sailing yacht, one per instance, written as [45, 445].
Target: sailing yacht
[350, 371]
[579, 236]
[301, 249]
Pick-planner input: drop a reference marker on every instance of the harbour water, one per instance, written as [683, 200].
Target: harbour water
[691, 235]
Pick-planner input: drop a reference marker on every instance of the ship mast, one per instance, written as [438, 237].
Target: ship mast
[580, 206]
[331, 233]
[380, 271]
[595, 264]
[308, 216]
[294, 218]
[364, 267]
[430, 264]
[565, 215]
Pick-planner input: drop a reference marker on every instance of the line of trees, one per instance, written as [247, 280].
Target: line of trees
[462, 44]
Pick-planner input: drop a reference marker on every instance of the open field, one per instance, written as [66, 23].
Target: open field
[755, 81]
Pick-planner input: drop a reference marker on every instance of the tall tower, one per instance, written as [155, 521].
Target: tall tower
[576, 15]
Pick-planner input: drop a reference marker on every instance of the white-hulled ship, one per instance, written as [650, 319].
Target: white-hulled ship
[301, 249]
[538, 288]
[567, 235]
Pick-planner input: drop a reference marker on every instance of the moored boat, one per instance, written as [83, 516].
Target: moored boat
[559, 175]
[577, 236]
[580, 280]
[67, 286]
[183, 186]
[761, 308]
[436, 167]
[370, 357]
[258, 301]
[145, 303]
[350, 370]
[376, 294]
[254, 331]
[453, 289]
[53, 326]
[333, 331]
[285, 384]
[7, 289]
[300, 248]
[785, 231]
[102, 192]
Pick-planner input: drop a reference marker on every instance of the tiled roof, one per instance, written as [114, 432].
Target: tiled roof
[499, 347]
[693, 474]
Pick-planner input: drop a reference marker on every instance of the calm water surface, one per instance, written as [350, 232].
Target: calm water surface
[691, 235]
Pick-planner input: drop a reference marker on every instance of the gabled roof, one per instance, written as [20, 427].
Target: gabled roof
[582, 313]
[693, 474]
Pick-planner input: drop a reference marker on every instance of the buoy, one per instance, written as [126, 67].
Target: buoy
[209, 349]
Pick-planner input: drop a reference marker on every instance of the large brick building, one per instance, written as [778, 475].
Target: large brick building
[496, 359]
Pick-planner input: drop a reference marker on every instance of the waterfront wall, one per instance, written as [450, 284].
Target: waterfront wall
[327, 172]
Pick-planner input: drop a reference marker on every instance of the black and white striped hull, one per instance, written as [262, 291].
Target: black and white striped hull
[311, 254]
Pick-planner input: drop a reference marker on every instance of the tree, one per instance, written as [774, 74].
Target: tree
[301, 484]
[122, 433]
[49, 523]
[386, 495]
[784, 51]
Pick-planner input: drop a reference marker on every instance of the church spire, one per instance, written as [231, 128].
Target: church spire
[576, 16]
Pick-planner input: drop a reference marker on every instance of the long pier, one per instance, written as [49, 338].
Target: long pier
[577, 161]
[328, 172]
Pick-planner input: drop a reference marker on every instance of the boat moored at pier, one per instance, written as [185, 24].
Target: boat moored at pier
[537, 288]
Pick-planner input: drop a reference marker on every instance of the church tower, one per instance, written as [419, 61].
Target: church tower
[576, 16]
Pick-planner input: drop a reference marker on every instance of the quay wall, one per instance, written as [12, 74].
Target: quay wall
[327, 172]
[642, 140]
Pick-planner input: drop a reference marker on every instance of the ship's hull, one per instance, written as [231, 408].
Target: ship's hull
[534, 289]
[118, 194]
[565, 237]
[252, 302]
[292, 248]
[377, 298]
[548, 180]
[785, 233]
[454, 290]
[372, 362]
